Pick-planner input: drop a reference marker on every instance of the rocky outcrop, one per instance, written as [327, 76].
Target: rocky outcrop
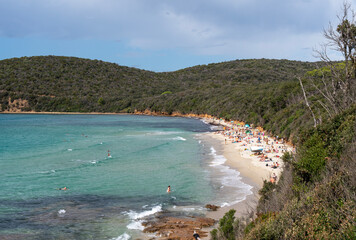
[178, 228]
[211, 207]
[17, 105]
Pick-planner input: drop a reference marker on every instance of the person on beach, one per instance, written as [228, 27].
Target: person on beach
[271, 180]
[169, 189]
[196, 235]
[274, 176]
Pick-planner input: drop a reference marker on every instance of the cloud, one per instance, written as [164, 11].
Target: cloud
[237, 28]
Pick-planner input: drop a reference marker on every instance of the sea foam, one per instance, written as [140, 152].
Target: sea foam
[136, 217]
[229, 178]
[180, 138]
[124, 236]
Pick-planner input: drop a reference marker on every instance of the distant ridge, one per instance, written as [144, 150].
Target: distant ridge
[227, 89]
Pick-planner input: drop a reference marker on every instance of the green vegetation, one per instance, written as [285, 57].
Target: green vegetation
[263, 92]
[315, 195]
[314, 198]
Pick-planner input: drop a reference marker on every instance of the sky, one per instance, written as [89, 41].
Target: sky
[166, 35]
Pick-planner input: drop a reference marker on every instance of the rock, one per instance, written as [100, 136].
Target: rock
[212, 207]
[178, 228]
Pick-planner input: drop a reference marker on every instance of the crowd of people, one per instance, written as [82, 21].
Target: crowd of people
[256, 144]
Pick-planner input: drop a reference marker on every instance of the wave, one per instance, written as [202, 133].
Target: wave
[229, 178]
[124, 236]
[180, 138]
[134, 215]
[212, 127]
[217, 159]
[61, 212]
[162, 133]
[136, 218]
[48, 172]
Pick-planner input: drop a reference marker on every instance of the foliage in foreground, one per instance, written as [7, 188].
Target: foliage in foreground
[315, 196]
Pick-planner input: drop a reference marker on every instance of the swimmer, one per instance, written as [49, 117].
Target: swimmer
[63, 188]
[169, 189]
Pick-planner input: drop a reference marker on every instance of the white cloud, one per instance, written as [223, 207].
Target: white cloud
[240, 28]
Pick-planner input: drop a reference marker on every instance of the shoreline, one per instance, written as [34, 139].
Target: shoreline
[252, 170]
[239, 157]
[237, 154]
[65, 113]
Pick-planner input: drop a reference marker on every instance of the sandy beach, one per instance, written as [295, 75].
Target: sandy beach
[247, 150]
[236, 141]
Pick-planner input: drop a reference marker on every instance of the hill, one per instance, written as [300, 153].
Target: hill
[251, 90]
[315, 196]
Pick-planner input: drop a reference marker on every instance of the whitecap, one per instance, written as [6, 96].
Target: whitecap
[136, 225]
[212, 151]
[218, 159]
[136, 217]
[162, 133]
[180, 138]
[124, 236]
[69, 149]
[188, 209]
[61, 212]
[229, 179]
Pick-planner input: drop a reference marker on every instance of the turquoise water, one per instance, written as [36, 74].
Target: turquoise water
[116, 168]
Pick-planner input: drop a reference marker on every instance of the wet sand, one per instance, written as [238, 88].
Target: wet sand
[252, 170]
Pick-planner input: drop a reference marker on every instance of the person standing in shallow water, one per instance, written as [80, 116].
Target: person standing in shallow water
[169, 189]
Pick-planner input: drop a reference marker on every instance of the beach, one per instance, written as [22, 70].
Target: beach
[237, 143]
[240, 158]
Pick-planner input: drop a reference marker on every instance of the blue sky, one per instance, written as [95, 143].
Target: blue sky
[165, 35]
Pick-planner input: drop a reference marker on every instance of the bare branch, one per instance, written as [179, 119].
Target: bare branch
[306, 101]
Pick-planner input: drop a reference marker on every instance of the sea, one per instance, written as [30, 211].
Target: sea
[116, 169]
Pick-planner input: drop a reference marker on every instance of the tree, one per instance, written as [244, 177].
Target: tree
[335, 81]
[101, 101]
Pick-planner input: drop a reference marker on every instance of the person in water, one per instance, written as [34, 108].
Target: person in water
[169, 189]
[63, 188]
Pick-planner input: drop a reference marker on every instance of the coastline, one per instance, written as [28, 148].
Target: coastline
[252, 170]
[65, 113]
[238, 157]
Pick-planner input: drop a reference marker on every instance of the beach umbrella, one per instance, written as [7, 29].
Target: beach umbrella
[246, 125]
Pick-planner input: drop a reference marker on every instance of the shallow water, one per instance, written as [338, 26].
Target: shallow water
[116, 167]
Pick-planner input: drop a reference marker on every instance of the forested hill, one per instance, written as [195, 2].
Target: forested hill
[315, 195]
[250, 90]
